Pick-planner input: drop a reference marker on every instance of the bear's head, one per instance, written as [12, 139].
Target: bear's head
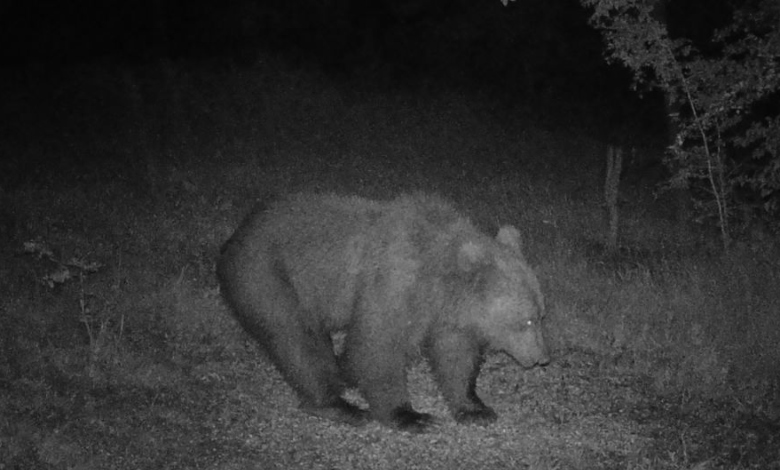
[510, 305]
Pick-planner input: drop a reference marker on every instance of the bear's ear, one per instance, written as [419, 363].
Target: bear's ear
[510, 236]
[470, 256]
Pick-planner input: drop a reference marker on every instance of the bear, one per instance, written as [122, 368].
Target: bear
[398, 278]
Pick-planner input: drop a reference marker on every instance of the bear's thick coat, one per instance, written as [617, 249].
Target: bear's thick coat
[398, 277]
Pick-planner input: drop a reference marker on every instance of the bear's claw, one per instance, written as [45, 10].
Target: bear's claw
[481, 417]
[339, 411]
[407, 420]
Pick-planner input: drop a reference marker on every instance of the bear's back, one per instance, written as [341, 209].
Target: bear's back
[343, 237]
[335, 217]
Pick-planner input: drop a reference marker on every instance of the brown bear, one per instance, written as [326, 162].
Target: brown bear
[398, 277]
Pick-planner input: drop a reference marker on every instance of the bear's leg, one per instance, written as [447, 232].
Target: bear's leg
[456, 359]
[304, 355]
[312, 365]
[377, 362]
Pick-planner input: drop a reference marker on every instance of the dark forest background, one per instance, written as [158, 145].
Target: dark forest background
[134, 136]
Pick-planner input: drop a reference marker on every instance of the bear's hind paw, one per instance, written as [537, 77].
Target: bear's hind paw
[407, 420]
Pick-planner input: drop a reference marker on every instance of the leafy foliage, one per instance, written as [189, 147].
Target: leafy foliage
[722, 99]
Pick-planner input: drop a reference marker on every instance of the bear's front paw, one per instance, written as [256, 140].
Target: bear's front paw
[481, 416]
[407, 420]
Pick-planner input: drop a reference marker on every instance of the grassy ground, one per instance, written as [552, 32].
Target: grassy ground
[116, 351]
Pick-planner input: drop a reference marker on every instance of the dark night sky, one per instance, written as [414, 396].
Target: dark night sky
[531, 40]
[536, 44]
[345, 31]
[528, 50]
[46, 29]
[531, 47]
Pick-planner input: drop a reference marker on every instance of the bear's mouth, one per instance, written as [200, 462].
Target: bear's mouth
[527, 350]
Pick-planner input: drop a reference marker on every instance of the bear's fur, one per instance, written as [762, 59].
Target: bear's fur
[401, 276]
